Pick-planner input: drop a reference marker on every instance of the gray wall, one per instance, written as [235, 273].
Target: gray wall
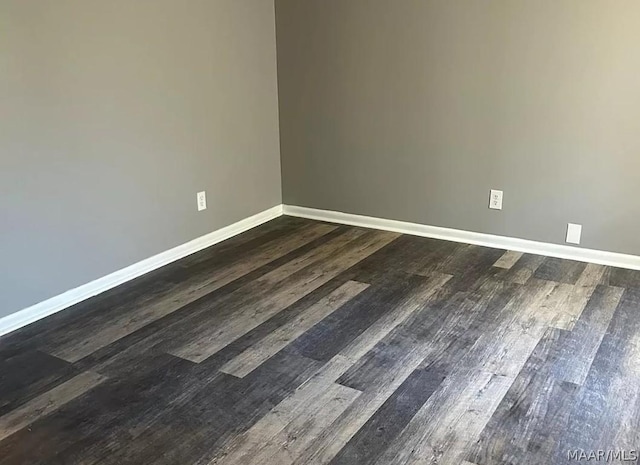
[113, 114]
[414, 109]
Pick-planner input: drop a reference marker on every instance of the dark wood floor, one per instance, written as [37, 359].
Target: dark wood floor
[301, 342]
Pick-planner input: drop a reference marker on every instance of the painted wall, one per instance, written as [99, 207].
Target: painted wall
[113, 114]
[413, 109]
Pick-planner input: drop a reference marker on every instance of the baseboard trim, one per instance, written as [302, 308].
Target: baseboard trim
[599, 257]
[55, 304]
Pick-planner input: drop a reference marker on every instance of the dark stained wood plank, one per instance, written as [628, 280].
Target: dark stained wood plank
[89, 418]
[329, 336]
[384, 426]
[470, 265]
[409, 254]
[392, 350]
[620, 277]
[29, 374]
[559, 270]
[222, 408]
[46, 403]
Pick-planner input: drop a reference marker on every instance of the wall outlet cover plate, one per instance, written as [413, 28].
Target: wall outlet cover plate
[495, 199]
[574, 232]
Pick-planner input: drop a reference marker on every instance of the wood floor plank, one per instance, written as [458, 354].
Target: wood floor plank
[579, 346]
[513, 341]
[76, 432]
[443, 333]
[211, 340]
[330, 441]
[147, 311]
[461, 422]
[605, 410]
[47, 403]
[172, 330]
[470, 265]
[251, 358]
[560, 270]
[508, 259]
[29, 374]
[390, 419]
[432, 290]
[286, 446]
[333, 369]
[532, 414]
[592, 275]
[330, 372]
[521, 271]
[218, 411]
[491, 364]
[462, 409]
[263, 431]
[572, 306]
[335, 332]
[620, 277]
[412, 255]
[397, 346]
[333, 439]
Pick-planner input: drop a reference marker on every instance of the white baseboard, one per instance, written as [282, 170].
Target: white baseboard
[60, 302]
[500, 242]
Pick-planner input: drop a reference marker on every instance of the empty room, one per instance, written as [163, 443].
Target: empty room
[319, 232]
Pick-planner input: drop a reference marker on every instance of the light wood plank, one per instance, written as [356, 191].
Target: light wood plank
[461, 419]
[254, 356]
[210, 340]
[497, 357]
[592, 275]
[286, 446]
[508, 259]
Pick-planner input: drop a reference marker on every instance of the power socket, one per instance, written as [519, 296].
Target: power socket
[495, 199]
[202, 200]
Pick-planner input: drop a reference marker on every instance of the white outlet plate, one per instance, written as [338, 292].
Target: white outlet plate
[574, 232]
[495, 199]
[202, 201]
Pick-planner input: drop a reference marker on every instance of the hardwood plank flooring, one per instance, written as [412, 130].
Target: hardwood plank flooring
[301, 342]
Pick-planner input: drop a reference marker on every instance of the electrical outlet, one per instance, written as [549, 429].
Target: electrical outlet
[495, 200]
[202, 201]
[574, 231]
